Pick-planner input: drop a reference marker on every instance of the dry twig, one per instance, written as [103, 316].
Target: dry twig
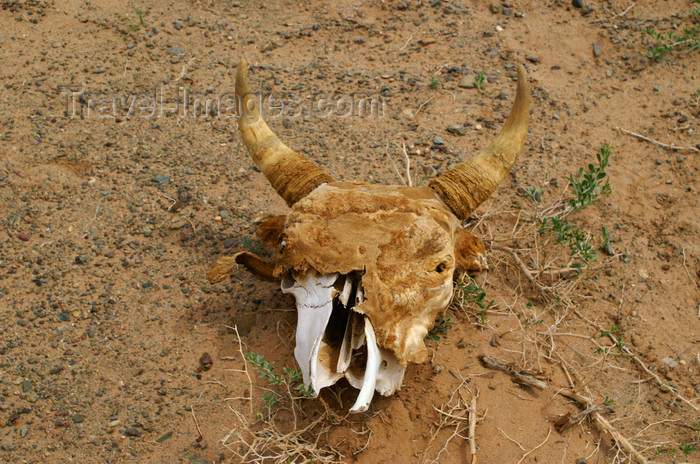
[519, 376]
[656, 142]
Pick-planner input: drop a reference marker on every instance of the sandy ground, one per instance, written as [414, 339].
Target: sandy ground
[111, 214]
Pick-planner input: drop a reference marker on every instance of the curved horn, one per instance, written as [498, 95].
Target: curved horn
[465, 187]
[292, 175]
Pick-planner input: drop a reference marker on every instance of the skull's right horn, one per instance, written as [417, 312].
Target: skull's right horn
[465, 187]
[290, 174]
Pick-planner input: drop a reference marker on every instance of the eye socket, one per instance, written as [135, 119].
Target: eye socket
[440, 267]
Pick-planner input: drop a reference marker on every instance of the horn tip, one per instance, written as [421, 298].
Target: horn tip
[242, 78]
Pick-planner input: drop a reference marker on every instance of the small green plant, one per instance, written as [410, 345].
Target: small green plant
[139, 14]
[575, 238]
[434, 82]
[619, 341]
[613, 329]
[480, 80]
[667, 42]
[471, 293]
[289, 377]
[533, 321]
[660, 451]
[664, 43]
[269, 400]
[441, 327]
[687, 448]
[534, 194]
[589, 185]
[608, 401]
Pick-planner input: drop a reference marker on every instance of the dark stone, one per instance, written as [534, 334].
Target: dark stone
[132, 432]
[577, 3]
[205, 359]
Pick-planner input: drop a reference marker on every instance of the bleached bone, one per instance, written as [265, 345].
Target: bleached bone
[389, 374]
[314, 295]
[370, 379]
[344, 295]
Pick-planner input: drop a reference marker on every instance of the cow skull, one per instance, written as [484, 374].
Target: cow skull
[370, 266]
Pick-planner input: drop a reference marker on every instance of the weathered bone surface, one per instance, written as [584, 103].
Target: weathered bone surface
[370, 266]
[321, 360]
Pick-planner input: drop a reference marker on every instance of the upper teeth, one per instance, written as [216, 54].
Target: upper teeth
[317, 359]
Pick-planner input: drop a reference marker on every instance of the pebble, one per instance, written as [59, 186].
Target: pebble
[177, 223]
[23, 237]
[457, 130]
[577, 3]
[177, 25]
[194, 459]
[438, 141]
[161, 179]
[175, 51]
[427, 41]
[532, 59]
[670, 363]
[132, 432]
[78, 418]
[596, 50]
[27, 386]
[205, 360]
[55, 370]
[467, 82]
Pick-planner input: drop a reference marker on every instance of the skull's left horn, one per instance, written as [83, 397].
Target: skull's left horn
[290, 174]
[465, 187]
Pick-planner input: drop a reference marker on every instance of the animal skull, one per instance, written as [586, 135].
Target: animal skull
[370, 266]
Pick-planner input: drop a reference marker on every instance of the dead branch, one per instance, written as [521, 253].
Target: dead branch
[656, 142]
[601, 422]
[519, 376]
[569, 420]
[472, 428]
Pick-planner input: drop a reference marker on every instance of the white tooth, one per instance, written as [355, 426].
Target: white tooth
[346, 348]
[347, 289]
[358, 332]
[370, 378]
[390, 373]
[358, 322]
[325, 375]
[314, 295]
